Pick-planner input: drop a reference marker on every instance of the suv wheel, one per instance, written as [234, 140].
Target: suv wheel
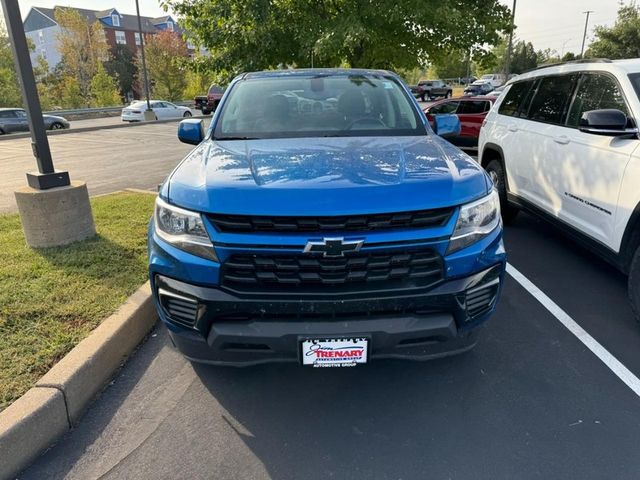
[496, 172]
[634, 284]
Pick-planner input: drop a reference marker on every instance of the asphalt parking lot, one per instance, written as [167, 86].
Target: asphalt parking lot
[530, 401]
[107, 159]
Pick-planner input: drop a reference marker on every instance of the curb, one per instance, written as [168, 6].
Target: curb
[41, 416]
[49, 133]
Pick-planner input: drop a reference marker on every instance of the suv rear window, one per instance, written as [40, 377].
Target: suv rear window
[551, 98]
[512, 101]
[214, 89]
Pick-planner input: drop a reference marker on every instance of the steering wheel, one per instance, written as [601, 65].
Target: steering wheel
[369, 120]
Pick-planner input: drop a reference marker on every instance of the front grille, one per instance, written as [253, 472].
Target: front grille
[309, 273]
[179, 309]
[386, 221]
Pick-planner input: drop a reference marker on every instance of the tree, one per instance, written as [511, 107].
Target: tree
[83, 47]
[10, 95]
[104, 89]
[166, 56]
[523, 57]
[452, 65]
[197, 84]
[622, 40]
[246, 35]
[122, 66]
[70, 93]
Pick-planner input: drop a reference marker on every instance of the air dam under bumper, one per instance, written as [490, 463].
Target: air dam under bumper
[233, 330]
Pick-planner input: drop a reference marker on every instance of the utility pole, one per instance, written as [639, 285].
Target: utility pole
[584, 36]
[507, 65]
[149, 115]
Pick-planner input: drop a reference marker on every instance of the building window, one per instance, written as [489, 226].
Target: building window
[115, 20]
[43, 54]
[170, 25]
[138, 42]
[40, 37]
[120, 38]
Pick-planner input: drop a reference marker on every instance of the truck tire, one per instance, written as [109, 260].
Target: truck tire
[496, 172]
[634, 284]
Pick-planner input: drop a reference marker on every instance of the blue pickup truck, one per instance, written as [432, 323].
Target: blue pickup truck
[321, 220]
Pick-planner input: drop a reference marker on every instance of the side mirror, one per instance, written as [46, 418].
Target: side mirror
[191, 131]
[607, 121]
[446, 125]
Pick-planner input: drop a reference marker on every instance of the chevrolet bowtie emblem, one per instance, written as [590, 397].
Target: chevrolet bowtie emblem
[333, 247]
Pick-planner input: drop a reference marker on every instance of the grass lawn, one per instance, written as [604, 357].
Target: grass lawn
[51, 298]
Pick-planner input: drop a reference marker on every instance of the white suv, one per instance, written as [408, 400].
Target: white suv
[562, 142]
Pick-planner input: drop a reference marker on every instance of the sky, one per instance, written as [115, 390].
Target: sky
[555, 24]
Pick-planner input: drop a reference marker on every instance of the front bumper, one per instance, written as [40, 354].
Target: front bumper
[230, 329]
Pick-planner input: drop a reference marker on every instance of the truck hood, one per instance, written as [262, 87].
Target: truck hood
[325, 176]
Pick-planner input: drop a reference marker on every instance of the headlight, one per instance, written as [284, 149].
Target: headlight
[476, 220]
[183, 229]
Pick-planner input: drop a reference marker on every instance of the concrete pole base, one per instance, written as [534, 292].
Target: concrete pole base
[149, 115]
[56, 216]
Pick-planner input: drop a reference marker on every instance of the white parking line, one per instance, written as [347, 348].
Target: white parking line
[622, 372]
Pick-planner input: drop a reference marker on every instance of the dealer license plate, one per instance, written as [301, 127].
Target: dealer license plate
[338, 352]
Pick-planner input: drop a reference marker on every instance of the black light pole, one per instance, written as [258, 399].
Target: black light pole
[47, 176]
[144, 63]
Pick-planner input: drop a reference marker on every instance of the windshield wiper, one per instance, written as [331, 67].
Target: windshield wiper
[236, 138]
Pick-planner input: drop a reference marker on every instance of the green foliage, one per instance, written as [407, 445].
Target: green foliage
[524, 57]
[412, 76]
[70, 93]
[197, 84]
[622, 40]
[166, 56]
[123, 67]
[451, 65]
[10, 95]
[246, 35]
[104, 90]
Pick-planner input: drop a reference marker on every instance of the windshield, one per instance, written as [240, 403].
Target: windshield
[318, 105]
[487, 77]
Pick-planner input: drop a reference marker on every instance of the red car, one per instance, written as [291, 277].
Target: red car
[471, 112]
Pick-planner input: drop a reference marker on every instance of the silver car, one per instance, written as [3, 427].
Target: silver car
[15, 120]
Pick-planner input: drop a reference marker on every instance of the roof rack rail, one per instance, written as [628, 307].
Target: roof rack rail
[570, 62]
